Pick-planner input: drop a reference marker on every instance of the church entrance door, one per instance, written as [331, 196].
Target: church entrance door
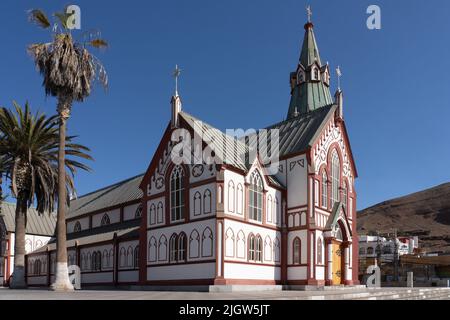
[337, 273]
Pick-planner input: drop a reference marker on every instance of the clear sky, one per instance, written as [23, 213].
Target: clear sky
[236, 57]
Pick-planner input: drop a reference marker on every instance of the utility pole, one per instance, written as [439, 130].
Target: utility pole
[395, 255]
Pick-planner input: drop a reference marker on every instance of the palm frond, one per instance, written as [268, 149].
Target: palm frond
[38, 17]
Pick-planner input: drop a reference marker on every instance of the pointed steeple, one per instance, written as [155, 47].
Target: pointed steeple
[310, 82]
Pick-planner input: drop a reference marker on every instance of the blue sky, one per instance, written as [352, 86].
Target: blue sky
[236, 57]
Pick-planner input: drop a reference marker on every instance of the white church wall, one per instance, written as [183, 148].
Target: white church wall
[201, 172]
[297, 273]
[156, 212]
[236, 242]
[251, 271]
[182, 272]
[281, 174]
[37, 280]
[97, 277]
[297, 181]
[127, 254]
[128, 276]
[114, 217]
[201, 241]
[129, 212]
[234, 193]
[202, 201]
[273, 207]
[84, 223]
[302, 235]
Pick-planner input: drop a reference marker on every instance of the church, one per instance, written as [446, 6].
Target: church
[232, 222]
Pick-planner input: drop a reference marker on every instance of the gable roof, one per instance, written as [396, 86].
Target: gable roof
[298, 134]
[40, 225]
[233, 150]
[118, 193]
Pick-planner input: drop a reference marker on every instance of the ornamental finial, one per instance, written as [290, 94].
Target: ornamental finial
[176, 75]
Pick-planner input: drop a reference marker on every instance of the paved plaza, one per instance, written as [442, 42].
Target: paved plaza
[357, 294]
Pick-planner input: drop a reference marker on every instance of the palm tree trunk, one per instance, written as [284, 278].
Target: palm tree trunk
[18, 276]
[62, 282]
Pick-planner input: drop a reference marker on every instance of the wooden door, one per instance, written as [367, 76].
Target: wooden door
[337, 263]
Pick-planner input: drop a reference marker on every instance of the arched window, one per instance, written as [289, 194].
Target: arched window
[370, 250]
[182, 245]
[136, 257]
[138, 213]
[269, 209]
[344, 195]
[197, 204]
[324, 190]
[255, 248]
[297, 251]
[335, 177]
[152, 214]
[231, 196]
[207, 201]
[173, 248]
[177, 194]
[319, 251]
[105, 220]
[255, 196]
[160, 215]
[240, 199]
[362, 251]
[77, 227]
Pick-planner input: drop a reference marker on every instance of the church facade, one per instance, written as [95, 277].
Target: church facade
[232, 221]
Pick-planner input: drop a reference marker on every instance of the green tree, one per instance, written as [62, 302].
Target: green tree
[69, 70]
[29, 152]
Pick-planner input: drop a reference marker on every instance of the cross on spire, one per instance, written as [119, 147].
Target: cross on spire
[176, 75]
[309, 12]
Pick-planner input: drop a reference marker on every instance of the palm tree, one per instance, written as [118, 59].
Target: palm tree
[29, 152]
[69, 70]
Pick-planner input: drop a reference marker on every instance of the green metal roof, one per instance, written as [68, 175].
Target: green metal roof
[310, 94]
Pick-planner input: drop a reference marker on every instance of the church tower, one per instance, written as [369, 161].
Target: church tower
[310, 83]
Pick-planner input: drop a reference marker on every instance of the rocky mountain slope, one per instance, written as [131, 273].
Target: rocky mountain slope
[425, 213]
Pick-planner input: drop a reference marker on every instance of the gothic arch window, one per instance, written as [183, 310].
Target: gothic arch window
[255, 196]
[105, 259]
[276, 250]
[173, 248]
[231, 191]
[162, 248]
[324, 189]
[136, 257]
[277, 212]
[219, 194]
[240, 198]
[138, 213]
[197, 204]
[240, 245]
[152, 214]
[267, 249]
[229, 243]
[194, 244]
[182, 247]
[255, 248]
[123, 257]
[160, 215]
[105, 220]
[344, 196]
[96, 261]
[370, 251]
[269, 209]
[319, 251]
[152, 249]
[335, 177]
[130, 252]
[77, 227]
[207, 243]
[207, 201]
[177, 190]
[297, 251]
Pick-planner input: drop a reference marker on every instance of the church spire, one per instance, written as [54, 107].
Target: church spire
[310, 82]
